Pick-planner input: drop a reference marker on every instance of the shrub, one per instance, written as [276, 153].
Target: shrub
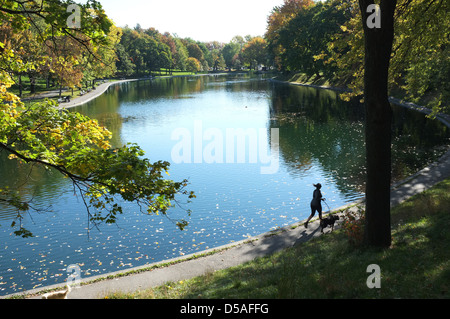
[353, 225]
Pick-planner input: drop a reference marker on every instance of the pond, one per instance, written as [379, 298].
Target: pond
[251, 149]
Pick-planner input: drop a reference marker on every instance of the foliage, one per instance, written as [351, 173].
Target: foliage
[353, 226]
[78, 148]
[193, 65]
[254, 52]
[229, 51]
[421, 52]
[277, 20]
[305, 39]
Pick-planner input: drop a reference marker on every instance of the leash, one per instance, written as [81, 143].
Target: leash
[329, 209]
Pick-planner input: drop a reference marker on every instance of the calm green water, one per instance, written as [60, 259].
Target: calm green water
[305, 135]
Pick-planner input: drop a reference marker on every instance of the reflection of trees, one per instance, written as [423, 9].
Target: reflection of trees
[316, 126]
[161, 88]
[105, 109]
[32, 183]
[337, 147]
[417, 141]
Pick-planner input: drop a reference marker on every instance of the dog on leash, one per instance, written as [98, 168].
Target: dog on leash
[328, 221]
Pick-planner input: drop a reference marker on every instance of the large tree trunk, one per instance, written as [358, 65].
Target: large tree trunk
[378, 47]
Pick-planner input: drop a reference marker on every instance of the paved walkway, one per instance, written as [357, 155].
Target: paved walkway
[237, 253]
[99, 90]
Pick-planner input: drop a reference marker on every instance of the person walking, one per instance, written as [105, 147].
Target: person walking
[316, 203]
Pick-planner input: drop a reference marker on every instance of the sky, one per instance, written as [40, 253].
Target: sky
[201, 20]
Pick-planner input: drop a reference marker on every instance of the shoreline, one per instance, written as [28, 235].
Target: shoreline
[102, 88]
[93, 94]
[236, 253]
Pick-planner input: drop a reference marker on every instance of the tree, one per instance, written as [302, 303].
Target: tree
[279, 17]
[193, 65]
[26, 46]
[378, 49]
[254, 52]
[168, 40]
[228, 52]
[124, 64]
[181, 55]
[65, 58]
[421, 62]
[195, 51]
[69, 143]
[305, 39]
[102, 63]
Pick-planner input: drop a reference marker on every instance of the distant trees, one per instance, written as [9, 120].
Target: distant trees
[254, 52]
[279, 19]
[193, 65]
[142, 51]
[229, 51]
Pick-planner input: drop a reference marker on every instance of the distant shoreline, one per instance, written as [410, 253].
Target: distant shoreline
[102, 88]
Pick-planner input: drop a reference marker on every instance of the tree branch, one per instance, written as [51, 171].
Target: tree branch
[59, 168]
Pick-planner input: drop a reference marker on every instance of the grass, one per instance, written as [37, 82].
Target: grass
[305, 79]
[417, 265]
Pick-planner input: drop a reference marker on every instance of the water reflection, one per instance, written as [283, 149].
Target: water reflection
[318, 127]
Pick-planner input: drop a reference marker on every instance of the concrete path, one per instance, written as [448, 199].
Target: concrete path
[99, 90]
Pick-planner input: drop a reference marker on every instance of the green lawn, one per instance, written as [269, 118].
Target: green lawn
[416, 266]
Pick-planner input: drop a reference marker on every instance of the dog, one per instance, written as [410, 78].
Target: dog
[328, 221]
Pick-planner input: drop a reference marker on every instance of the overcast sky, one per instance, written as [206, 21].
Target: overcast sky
[201, 20]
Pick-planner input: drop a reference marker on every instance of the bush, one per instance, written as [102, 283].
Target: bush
[353, 226]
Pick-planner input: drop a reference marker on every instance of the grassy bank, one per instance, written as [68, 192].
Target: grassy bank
[416, 266]
[306, 79]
